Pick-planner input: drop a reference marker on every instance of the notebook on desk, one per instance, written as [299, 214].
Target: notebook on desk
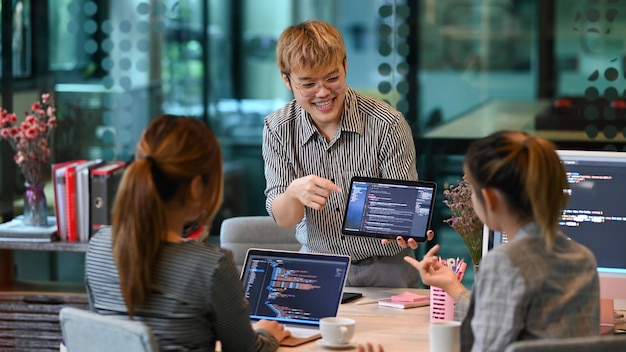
[296, 289]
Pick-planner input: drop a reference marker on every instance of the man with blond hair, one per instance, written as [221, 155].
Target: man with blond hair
[316, 143]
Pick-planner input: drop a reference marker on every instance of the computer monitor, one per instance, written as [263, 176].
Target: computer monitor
[492, 239]
[595, 215]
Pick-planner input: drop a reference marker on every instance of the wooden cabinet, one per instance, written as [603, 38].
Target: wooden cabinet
[29, 310]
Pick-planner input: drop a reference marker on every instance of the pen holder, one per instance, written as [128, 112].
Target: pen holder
[441, 305]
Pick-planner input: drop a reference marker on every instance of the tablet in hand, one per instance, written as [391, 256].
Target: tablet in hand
[386, 208]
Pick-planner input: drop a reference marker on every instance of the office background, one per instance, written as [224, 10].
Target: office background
[114, 65]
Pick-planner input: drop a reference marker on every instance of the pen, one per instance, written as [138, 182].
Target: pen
[461, 271]
[369, 301]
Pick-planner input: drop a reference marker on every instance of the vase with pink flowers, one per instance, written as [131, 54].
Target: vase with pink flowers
[31, 139]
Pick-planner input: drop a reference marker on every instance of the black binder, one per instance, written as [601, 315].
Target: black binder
[103, 183]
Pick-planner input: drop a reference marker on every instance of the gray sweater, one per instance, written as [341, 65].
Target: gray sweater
[197, 297]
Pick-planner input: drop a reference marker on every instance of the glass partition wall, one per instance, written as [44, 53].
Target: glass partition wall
[112, 66]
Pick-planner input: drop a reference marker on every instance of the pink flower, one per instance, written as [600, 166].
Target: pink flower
[30, 139]
[32, 120]
[7, 118]
[31, 133]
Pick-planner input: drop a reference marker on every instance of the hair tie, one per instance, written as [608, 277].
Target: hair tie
[524, 142]
[151, 160]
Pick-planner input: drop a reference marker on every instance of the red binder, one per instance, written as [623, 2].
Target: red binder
[60, 198]
[70, 194]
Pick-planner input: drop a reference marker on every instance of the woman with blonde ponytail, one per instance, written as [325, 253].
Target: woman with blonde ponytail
[187, 292]
[541, 284]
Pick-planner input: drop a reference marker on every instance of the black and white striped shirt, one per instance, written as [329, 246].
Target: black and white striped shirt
[196, 298]
[374, 140]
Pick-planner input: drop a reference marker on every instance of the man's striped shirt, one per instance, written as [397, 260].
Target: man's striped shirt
[373, 140]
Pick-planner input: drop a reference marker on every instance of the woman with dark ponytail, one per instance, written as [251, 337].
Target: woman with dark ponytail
[539, 285]
[188, 292]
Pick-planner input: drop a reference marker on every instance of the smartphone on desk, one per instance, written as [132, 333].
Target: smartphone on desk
[350, 296]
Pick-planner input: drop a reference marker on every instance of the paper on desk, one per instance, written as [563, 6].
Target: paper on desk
[409, 297]
[403, 304]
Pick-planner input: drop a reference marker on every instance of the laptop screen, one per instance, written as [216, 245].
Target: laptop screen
[293, 287]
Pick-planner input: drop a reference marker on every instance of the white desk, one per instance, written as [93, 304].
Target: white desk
[515, 115]
[395, 329]
[453, 137]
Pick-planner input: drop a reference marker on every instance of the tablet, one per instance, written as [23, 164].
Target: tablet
[386, 208]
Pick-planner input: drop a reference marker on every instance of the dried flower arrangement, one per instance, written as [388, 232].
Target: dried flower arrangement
[464, 220]
[31, 138]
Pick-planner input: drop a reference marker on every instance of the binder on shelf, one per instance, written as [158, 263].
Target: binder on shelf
[82, 198]
[60, 198]
[104, 181]
[70, 200]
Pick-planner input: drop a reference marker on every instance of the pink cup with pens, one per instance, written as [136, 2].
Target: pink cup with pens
[441, 304]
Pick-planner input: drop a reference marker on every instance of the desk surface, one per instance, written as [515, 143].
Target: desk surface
[395, 329]
[499, 115]
[453, 137]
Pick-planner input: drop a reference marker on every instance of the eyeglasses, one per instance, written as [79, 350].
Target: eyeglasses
[311, 88]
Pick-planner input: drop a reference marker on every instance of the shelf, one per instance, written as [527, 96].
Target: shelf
[7, 270]
[57, 246]
[30, 320]
[53, 290]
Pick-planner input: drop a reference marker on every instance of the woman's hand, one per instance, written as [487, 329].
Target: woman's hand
[276, 329]
[435, 273]
[370, 348]
[430, 234]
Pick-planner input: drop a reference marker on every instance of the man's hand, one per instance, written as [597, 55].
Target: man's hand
[312, 191]
[411, 242]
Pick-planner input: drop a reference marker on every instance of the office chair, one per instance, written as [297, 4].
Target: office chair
[240, 233]
[614, 343]
[87, 331]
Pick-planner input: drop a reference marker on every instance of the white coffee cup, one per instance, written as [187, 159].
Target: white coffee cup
[445, 336]
[337, 331]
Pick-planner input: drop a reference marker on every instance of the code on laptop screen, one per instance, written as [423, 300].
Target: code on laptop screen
[301, 290]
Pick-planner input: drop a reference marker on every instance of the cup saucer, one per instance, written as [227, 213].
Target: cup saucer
[336, 346]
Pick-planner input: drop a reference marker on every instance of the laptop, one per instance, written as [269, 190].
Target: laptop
[387, 208]
[296, 289]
